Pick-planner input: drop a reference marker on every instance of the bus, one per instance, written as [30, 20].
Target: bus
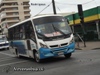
[42, 37]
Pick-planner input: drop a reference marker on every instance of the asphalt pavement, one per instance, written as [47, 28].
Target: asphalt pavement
[82, 62]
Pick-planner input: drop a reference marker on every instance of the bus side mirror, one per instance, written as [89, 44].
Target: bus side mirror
[74, 33]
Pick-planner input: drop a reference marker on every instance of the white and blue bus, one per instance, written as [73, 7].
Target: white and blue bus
[42, 37]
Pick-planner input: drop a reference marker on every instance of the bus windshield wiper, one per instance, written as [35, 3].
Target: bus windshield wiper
[41, 35]
[58, 30]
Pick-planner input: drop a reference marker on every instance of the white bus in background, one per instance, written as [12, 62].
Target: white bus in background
[42, 37]
[4, 44]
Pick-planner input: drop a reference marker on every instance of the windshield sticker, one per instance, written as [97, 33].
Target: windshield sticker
[53, 34]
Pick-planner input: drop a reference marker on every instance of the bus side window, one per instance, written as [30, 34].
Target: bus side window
[22, 32]
[10, 32]
[31, 31]
[16, 33]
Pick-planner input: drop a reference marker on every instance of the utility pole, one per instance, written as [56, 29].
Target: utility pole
[53, 4]
[80, 12]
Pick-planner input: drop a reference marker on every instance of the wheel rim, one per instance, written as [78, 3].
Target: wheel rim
[37, 57]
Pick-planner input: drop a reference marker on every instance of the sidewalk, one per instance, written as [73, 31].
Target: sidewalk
[89, 45]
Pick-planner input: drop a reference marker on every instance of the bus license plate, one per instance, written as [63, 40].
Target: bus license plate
[60, 53]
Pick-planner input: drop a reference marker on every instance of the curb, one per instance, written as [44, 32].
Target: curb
[96, 48]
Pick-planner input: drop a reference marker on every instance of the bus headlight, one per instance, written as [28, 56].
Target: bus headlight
[43, 46]
[72, 40]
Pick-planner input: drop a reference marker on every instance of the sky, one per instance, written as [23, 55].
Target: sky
[62, 6]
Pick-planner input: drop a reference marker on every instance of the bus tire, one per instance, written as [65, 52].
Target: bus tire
[37, 57]
[68, 55]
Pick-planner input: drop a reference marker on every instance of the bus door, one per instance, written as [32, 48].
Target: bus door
[30, 36]
[21, 47]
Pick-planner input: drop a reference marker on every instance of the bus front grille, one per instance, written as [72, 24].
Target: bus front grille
[64, 44]
[58, 46]
[54, 46]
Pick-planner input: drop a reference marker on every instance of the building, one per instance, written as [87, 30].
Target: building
[13, 11]
[91, 23]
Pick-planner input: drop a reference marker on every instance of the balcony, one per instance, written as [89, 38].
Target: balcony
[7, 11]
[10, 16]
[27, 10]
[26, 5]
[9, 21]
[4, 1]
[15, 7]
[9, 6]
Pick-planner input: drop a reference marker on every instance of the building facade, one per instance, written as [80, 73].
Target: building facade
[91, 23]
[13, 11]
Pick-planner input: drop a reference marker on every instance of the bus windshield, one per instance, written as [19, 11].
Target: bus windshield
[52, 27]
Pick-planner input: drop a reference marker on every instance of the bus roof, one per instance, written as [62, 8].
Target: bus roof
[31, 19]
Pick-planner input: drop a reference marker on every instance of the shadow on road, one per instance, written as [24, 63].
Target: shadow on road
[48, 60]
[3, 50]
[96, 48]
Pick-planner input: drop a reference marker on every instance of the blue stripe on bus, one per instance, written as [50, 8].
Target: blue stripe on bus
[46, 52]
[20, 46]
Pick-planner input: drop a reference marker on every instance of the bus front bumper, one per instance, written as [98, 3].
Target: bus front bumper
[46, 52]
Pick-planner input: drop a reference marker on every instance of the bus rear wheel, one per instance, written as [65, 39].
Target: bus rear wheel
[37, 57]
[68, 55]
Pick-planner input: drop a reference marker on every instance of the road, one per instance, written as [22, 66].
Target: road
[82, 62]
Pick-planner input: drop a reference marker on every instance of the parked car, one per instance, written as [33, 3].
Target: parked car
[4, 44]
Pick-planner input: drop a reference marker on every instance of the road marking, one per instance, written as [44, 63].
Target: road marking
[12, 63]
[7, 54]
[6, 59]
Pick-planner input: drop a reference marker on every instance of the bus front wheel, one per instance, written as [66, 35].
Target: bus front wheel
[37, 57]
[68, 55]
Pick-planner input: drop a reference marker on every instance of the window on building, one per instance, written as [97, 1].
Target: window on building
[15, 8]
[26, 17]
[15, 13]
[16, 18]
